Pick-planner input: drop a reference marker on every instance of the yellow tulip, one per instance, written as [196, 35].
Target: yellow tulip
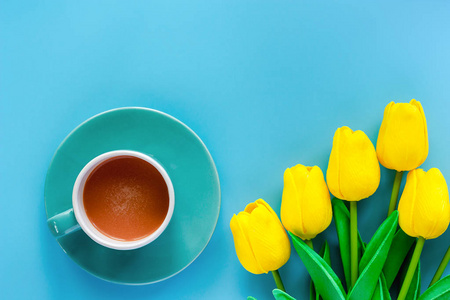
[402, 143]
[306, 206]
[260, 240]
[353, 169]
[424, 208]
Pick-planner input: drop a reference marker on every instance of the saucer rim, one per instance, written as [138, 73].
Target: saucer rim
[215, 174]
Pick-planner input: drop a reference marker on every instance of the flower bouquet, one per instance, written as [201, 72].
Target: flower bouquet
[353, 174]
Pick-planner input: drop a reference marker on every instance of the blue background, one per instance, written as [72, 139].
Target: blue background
[264, 83]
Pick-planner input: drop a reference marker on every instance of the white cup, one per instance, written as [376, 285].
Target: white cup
[61, 224]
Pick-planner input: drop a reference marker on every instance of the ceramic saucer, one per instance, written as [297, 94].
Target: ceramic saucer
[189, 165]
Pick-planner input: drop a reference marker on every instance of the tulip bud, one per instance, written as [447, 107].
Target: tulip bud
[261, 242]
[353, 169]
[424, 208]
[306, 206]
[402, 143]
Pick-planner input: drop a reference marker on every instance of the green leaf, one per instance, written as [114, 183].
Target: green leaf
[438, 291]
[397, 254]
[280, 295]
[381, 291]
[251, 298]
[325, 254]
[313, 294]
[342, 220]
[326, 281]
[373, 260]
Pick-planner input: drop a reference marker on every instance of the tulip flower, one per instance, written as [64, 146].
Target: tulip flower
[424, 212]
[353, 170]
[402, 143]
[353, 174]
[424, 208]
[261, 242]
[306, 206]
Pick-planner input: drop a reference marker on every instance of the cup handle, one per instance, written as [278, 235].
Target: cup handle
[63, 223]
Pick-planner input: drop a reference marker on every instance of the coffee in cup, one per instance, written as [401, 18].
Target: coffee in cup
[121, 199]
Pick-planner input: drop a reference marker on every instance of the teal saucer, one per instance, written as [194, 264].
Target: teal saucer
[188, 163]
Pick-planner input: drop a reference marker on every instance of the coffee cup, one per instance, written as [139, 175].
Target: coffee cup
[121, 199]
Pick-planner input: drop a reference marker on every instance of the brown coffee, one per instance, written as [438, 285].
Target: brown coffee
[126, 198]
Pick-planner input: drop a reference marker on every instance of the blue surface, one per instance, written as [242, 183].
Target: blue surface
[263, 83]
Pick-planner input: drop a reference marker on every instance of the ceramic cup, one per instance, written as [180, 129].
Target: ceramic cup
[76, 218]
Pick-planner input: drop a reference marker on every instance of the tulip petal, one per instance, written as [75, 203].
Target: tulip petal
[382, 133]
[425, 129]
[407, 203]
[333, 171]
[433, 208]
[261, 202]
[360, 171]
[291, 213]
[242, 243]
[250, 207]
[315, 204]
[269, 241]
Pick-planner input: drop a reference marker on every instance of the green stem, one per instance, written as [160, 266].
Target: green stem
[411, 269]
[395, 190]
[279, 283]
[353, 242]
[316, 292]
[441, 268]
[309, 243]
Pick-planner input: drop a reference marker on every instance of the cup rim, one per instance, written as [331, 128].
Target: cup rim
[83, 220]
